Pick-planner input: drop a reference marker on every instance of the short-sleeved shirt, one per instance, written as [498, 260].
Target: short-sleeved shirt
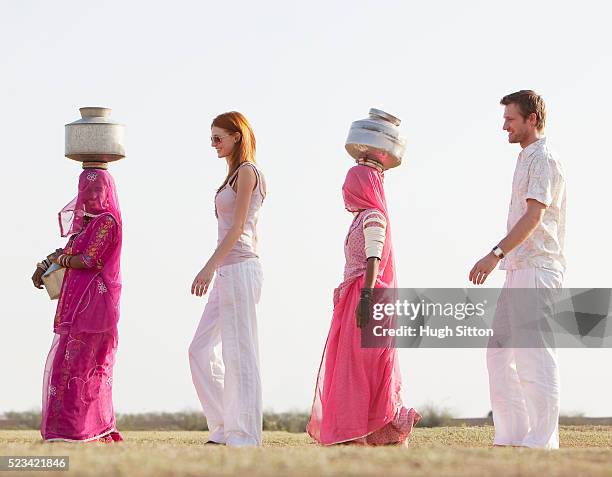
[538, 175]
[354, 245]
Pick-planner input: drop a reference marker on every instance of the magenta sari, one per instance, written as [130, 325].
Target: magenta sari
[358, 391]
[77, 385]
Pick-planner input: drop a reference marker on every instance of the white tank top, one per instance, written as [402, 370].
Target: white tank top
[225, 202]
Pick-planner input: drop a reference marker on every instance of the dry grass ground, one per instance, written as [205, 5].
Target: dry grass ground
[443, 451]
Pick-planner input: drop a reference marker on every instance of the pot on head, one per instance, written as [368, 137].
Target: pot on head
[376, 138]
[95, 138]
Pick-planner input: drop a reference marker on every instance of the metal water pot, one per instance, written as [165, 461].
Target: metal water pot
[376, 138]
[95, 138]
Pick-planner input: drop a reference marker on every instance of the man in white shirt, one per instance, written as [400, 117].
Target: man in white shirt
[524, 381]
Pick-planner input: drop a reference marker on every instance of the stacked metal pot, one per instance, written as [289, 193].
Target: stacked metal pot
[376, 141]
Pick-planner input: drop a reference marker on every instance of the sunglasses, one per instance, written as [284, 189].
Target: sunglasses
[217, 139]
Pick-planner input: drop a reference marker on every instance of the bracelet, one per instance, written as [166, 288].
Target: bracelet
[43, 266]
[64, 260]
[367, 292]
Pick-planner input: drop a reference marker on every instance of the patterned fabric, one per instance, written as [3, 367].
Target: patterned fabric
[84, 302]
[354, 245]
[397, 431]
[538, 175]
[77, 394]
[101, 238]
[363, 190]
[374, 218]
[96, 194]
[358, 390]
[78, 379]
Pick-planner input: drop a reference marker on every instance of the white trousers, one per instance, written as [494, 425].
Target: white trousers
[224, 356]
[524, 382]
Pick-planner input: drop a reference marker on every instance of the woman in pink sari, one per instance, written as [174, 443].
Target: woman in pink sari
[357, 397]
[77, 383]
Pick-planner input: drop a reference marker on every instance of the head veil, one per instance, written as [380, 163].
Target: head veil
[71, 217]
[363, 189]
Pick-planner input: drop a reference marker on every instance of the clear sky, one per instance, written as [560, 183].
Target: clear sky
[301, 72]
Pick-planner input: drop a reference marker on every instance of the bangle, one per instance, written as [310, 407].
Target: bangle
[43, 266]
[367, 292]
[64, 260]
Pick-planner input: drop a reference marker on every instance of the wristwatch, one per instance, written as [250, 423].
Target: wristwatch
[498, 252]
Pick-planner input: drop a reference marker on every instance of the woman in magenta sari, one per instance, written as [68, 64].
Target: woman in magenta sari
[357, 396]
[77, 383]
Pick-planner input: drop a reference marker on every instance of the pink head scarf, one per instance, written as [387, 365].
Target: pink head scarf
[97, 195]
[358, 389]
[363, 189]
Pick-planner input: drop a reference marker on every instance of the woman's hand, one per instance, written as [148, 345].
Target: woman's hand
[363, 313]
[364, 308]
[202, 281]
[54, 255]
[37, 277]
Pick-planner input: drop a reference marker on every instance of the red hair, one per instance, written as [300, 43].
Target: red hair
[244, 149]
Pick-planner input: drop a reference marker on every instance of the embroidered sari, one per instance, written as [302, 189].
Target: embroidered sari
[78, 378]
[358, 391]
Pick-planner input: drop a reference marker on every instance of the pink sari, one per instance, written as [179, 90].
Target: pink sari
[357, 395]
[77, 385]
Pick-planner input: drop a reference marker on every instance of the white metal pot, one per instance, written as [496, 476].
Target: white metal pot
[376, 138]
[95, 137]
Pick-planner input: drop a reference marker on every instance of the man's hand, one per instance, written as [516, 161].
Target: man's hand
[483, 268]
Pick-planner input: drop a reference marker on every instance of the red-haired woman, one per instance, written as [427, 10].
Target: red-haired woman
[224, 353]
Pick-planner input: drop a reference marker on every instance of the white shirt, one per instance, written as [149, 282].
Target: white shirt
[538, 175]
